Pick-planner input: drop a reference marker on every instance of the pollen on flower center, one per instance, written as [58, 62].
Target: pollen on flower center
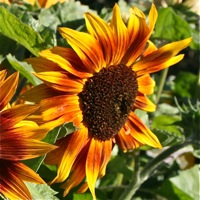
[107, 99]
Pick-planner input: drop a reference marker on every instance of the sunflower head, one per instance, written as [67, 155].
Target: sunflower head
[107, 99]
[19, 140]
[98, 83]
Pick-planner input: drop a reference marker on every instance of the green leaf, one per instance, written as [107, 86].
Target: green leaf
[188, 181]
[66, 129]
[167, 123]
[86, 196]
[171, 26]
[168, 138]
[164, 108]
[24, 68]
[166, 129]
[115, 167]
[41, 191]
[70, 14]
[186, 85]
[170, 191]
[13, 28]
[34, 163]
[52, 136]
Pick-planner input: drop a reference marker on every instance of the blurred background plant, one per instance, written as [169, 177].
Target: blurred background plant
[27, 27]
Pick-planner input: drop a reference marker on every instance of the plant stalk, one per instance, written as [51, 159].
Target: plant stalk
[161, 84]
[140, 178]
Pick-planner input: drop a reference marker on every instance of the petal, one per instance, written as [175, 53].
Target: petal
[60, 56]
[26, 173]
[105, 156]
[151, 48]
[170, 62]
[153, 15]
[61, 81]
[93, 164]
[141, 133]
[100, 30]
[11, 184]
[143, 103]
[55, 156]
[78, 172]
[2, 75]
[7, 89]
[126, 141]
[15, 147]
[88, 50]
[44, 91]
[75, 143]
[41, 64]
[13, 115]
[83, 188]
[146, 84]
[120, 31]
[139, 33]
[29, 129]
[57, 106]
[158, 58]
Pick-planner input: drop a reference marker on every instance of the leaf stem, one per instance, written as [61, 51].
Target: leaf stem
[161, 84]
[146, 172]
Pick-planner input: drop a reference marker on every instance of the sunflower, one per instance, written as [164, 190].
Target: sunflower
[98, 83]
[19, 140]
[41, 3]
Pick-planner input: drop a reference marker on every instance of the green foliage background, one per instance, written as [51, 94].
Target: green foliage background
[172, 173]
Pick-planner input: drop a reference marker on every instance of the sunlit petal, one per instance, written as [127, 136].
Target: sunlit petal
[141, 133]
[99, 29]
[75, 144]
[7, 89]
[89, 49]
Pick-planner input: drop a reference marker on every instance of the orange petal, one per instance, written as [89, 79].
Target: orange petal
[126, 141]
[57, 106]
[83, 188]
[143, 103]
[151, 48]
[11, 184]
[78, 171]
[41, 64]
[141, 133]
[13, 115]
[146, 84]
[88, 50]
[7, 89]
[99, 29]
[157, 60]
[140, 33]
[44, 91]
[26, 173]
[29, 129]
[105, 156]
[121, 34]
[15, 147]
[2, 75]
[61, 81]
[75, 143]
[61, 56]
[93, 164]
[55, 156]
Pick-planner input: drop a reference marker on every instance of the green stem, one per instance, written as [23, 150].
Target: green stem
[148, 170]
[161, 84]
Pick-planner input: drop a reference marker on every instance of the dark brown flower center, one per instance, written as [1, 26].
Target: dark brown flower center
[107, 99]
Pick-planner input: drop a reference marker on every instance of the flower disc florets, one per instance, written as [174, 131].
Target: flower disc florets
[107, 99]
